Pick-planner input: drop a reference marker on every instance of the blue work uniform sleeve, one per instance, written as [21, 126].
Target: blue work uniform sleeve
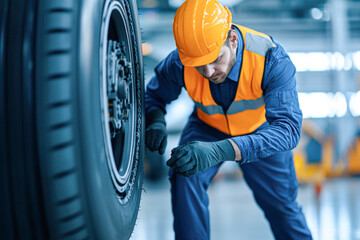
[282, 111]
[166, 85]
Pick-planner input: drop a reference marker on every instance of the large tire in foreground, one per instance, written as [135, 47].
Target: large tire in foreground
[72, 110]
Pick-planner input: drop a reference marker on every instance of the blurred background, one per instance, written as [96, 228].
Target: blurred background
[323, 40]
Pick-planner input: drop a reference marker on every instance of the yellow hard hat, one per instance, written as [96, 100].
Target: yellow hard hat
[200, 29]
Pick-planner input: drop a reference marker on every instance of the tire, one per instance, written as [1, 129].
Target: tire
[72, 148]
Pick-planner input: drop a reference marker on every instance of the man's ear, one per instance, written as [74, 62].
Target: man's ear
[233, 38]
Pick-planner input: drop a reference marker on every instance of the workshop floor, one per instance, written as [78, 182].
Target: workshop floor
[333, 215]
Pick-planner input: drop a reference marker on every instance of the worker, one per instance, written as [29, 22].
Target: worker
[246, 110]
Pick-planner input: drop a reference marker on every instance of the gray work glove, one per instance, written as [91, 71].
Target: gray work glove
[194, 157]
[155, 133]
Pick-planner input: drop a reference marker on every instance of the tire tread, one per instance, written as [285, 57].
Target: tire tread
[59, 104]
[74, 231]
[67, 200]
[64, 174]
[60, 125]
[62, 145]
[71, 216]
[58, 59]
[59, 75]
[60, 9]
[58, 51]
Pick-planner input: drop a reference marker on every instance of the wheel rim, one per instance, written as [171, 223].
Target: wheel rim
[118, 91]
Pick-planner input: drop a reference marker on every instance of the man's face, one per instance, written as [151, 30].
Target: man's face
[217, 71]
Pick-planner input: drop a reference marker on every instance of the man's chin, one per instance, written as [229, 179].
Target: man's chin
[217, 80]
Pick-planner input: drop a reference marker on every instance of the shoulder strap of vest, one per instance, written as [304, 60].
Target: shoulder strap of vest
[256, 42]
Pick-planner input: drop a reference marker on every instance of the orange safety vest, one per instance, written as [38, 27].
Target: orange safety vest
[247, 112]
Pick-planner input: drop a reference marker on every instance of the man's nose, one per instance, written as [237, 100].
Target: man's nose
[209, 70]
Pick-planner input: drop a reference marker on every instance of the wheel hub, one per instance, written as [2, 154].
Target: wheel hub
[119, 77]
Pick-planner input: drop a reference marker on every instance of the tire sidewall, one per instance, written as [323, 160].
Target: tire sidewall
[110, 218]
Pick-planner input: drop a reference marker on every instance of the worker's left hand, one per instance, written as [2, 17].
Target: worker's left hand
[196, 156]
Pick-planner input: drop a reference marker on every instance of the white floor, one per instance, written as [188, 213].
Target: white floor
[333, 215]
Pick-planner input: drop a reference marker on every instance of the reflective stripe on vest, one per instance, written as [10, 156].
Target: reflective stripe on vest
[247, 112]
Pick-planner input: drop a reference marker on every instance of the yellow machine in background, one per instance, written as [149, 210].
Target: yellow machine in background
[354, 157]
[315, 159]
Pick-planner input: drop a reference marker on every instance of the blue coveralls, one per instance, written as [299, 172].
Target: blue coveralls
[267, 162]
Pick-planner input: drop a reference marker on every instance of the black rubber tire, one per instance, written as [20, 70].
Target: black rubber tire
[56, 182]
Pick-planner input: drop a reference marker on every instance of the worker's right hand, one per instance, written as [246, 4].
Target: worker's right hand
[156, 137]
[155, 133]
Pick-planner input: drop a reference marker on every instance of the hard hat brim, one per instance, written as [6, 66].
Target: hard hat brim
[203, 60]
